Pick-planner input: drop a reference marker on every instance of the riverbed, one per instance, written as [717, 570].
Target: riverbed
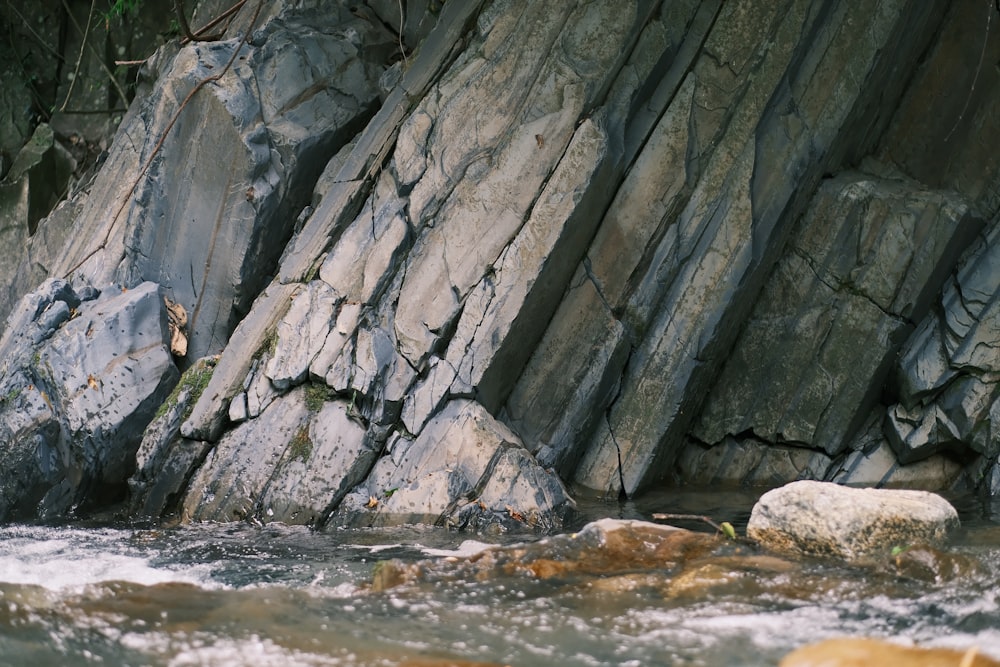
[238, 594]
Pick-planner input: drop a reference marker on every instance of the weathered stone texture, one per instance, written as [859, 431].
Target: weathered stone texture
[824, 519]
[214, 205]
[82, 376]
[948, 373]
[868, 256]
[610, 244]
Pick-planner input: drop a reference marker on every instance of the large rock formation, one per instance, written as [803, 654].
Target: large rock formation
[599, 244]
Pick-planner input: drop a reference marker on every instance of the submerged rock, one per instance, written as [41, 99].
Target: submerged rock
[825, 519]
[926, 563]
[864, 652]
[600, 549]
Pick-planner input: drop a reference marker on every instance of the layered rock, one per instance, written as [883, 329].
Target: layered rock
[948, 377]
[206, 213]
[426, 301]
[863, 266]
[585, 243]
[35, 182]
[751, 118]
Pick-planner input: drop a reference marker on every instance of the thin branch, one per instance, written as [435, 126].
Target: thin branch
[688, 517]
[79, 58]
[100, 60]
[218, 19]
[399, 35]
[186, 29]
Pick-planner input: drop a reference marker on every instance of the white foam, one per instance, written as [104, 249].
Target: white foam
[200, 649]
[70, 559]
[464, 550]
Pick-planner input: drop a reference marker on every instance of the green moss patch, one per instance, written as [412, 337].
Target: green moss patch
[195, 379]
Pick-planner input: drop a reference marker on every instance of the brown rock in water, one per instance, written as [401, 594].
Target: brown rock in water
[605, 547]
[447, 662]
[925, 563]
[862, 652]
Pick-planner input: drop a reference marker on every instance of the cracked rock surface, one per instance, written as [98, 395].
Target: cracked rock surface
[576, 246]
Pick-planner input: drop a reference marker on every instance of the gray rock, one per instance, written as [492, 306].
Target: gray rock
[81, 380]
[824, 519]
[37, 180]
[749, 461]
[324, 461]
[862, 265]
[572, 376]
[229, 485]
[213, 208]
[301, 334]
[452, 256]
[514, 493]
[370, 249]
[465, 468]
[248, 342]
[165, 461]
[936, 136]
[879, 467]
[691, 276]
[544, 244]
[527, 282]
[292, 463]
[948, 375]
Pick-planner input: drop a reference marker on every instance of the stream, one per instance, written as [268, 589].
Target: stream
[236, 594]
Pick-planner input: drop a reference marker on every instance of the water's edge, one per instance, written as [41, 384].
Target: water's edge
[235, 594]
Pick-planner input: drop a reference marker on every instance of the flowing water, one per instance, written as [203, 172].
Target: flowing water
[219, 595]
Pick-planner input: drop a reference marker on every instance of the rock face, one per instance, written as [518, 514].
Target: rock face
[207, 213]
[82, 375]
[602, 245]
[825, 519]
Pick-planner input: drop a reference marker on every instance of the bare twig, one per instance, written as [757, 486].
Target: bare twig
[182, 20]
[688, 517]
[27, 26]
[159, 144]
[399, 35]
[218, 19]
[79, 58]
[100, 60]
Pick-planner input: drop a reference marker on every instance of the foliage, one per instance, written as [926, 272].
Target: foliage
[316, 395]
[123, 8]
[194, 380]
